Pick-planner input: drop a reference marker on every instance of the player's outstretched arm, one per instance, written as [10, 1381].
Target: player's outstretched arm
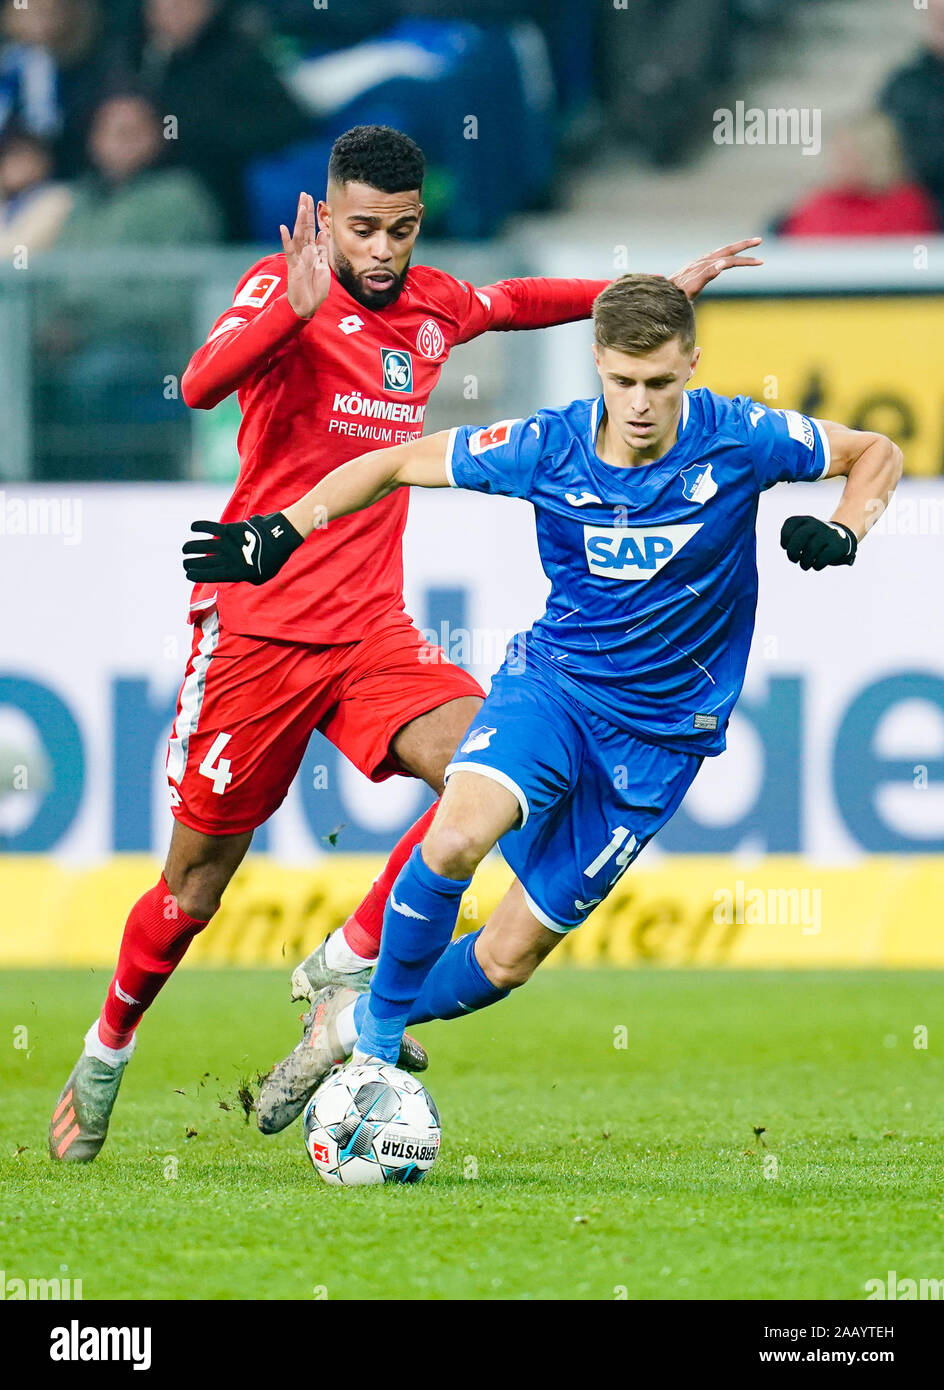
[540, 302]
[255, 550]
[871, 465]
[365, 480]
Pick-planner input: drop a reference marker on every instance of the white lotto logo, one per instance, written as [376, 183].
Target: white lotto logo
[256, 291]
[633, 552]
[430, 340]
[227, 326]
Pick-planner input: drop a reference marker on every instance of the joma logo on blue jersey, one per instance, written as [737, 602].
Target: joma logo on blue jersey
[633, 552]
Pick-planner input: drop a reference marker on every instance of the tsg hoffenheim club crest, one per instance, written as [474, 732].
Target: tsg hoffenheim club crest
[697, 482]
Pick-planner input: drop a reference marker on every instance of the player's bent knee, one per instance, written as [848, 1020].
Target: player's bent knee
[201, 907]
[199, 867]
[505, 969]
[511, 977]
[453, 851]
[508, 974]
[197, 894]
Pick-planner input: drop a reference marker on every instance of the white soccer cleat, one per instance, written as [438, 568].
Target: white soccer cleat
[314, 973]
[291, 1082]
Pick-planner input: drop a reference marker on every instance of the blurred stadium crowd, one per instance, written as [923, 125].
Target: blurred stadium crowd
[183, 121]
[189, 123]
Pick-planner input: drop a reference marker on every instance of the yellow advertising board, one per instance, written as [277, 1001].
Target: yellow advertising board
[691, 910]
[870, 361]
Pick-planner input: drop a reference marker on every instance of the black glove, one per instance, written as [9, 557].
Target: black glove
[813, 544]
[252, 550]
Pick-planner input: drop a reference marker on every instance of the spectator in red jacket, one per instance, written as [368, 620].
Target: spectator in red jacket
[871, 193]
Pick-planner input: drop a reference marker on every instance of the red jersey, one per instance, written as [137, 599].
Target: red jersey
[317, 392]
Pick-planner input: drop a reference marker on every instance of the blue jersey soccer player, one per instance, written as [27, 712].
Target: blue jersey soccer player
[645, 502]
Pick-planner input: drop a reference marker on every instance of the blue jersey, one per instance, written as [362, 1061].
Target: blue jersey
[652, 568]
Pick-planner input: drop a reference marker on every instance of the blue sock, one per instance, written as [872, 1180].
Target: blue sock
[419, 920]
[456, 985]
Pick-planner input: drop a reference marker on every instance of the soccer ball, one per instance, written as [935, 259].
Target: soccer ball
[371, 1124]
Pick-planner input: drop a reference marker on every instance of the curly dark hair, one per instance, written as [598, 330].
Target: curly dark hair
[379, 156]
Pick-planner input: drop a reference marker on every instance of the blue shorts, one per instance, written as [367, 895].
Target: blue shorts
[591, 795]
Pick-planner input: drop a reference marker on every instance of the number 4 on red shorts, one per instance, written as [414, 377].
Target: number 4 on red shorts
[219, 775]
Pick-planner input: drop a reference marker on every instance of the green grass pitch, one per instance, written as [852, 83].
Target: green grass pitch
[572, 1167]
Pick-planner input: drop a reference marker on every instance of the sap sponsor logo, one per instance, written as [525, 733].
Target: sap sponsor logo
[482, 440]
[637, 552]
[397, 369]
[256, 291]
[698, 483]
[404, 1148]
[430, 340]
[77, 1343]
[372, 409]
[799, 428]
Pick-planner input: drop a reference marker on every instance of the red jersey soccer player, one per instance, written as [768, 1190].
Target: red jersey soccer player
[334, 346]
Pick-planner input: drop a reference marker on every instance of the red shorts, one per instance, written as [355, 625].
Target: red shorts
[248, 705]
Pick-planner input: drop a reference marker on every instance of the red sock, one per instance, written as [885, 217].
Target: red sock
[362, 929]
[155, 939]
